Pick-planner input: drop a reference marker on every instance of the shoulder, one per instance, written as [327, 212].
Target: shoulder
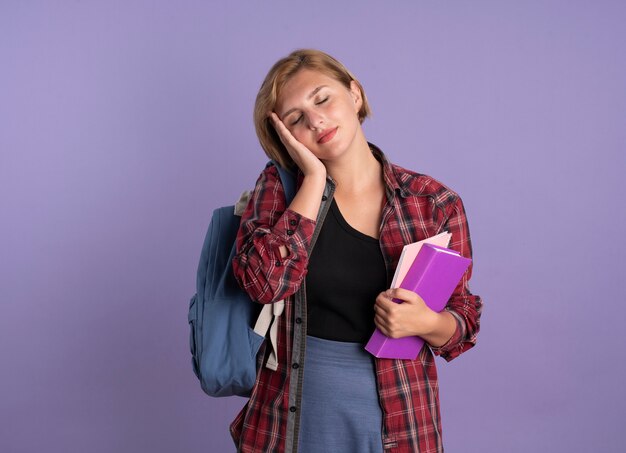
[269, 193]
[268, 183]
[415, 188]
[270, 172]
[412, 183]
[408, 183]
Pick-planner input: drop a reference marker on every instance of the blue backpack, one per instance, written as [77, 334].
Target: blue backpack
[224, 344]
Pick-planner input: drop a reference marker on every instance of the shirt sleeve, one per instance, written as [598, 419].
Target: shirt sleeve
[463, 305]
[267, 224]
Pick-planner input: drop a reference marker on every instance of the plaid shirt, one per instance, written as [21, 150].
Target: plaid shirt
[417, 207]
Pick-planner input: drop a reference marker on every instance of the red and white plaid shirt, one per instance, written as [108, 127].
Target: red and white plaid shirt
[417, 207]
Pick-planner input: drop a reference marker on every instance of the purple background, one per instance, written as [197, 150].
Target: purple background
[123, 124]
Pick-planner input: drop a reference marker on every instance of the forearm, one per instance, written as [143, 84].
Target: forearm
[307, 201]
[463, 306]
[442, 327]
[267, 226]
[309, 195]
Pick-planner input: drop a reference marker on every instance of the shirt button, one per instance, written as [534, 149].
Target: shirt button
[290, 232]
[324, 198]
[292, 222]
[292, 408]
[277, 263]
[295, 366]
[298, 320]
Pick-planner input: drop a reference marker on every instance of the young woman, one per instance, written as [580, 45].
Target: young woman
[331, 255]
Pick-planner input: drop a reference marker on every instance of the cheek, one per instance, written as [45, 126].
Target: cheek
[300, 134]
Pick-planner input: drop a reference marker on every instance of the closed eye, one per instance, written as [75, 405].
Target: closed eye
[320, 102]
[297, 120]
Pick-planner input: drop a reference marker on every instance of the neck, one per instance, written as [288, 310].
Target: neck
[357, 171]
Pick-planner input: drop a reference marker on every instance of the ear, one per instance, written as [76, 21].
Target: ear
[355, 92]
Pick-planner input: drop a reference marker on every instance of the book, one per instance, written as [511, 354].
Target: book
[410, 251]
[433, 275]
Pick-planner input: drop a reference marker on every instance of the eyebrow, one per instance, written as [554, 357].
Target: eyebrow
[313, 93]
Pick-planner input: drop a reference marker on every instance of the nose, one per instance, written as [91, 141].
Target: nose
[315, 120]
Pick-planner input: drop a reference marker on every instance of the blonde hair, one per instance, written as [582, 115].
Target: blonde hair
[276, 78]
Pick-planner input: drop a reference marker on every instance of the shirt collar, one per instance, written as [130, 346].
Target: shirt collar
[389, 175]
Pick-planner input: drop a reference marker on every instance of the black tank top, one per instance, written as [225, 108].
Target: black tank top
[345, 274]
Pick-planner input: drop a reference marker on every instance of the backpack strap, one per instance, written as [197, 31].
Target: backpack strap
[268, 318]
[288, 179]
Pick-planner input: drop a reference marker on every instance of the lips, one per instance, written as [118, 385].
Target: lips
[326, 135]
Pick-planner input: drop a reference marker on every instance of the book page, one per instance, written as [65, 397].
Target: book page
[410, 251]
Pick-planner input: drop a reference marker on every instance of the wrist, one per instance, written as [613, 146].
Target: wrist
[314, 184]
[441, 328]
[433, 322]
[316, 177]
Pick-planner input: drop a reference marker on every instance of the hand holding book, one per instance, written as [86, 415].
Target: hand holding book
[401, 313]
[432, 276]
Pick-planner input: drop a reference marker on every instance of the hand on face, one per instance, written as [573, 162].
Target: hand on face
[301, 155]
[411, 317]
[319, 114]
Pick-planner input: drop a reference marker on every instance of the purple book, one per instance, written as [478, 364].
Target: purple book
[433, 275]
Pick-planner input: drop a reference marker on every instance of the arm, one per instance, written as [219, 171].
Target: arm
[464, 306]
[273, 239]
[267, 228]
[450, 332]
[305, 201]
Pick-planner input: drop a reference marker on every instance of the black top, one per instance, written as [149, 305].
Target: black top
[346, 272]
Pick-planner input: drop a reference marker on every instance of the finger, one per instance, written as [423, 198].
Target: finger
[277, 121]
[383, 303]
[284, 133]
[281, 129]
[404, 295]
[385, 327]
[389, 298]
[386, 316]
[381, 324]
